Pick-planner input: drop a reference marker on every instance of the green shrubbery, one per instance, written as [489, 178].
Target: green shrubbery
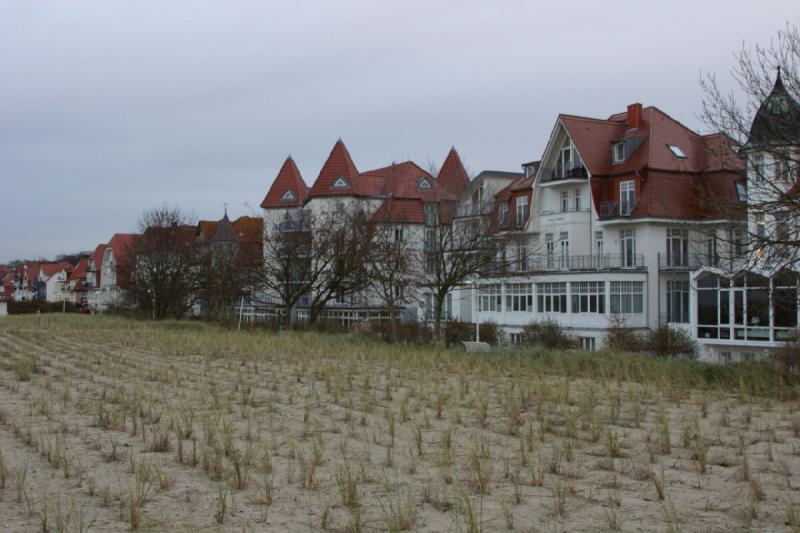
[547, 334]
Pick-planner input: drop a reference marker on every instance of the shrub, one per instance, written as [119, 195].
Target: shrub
[788, 358]
[666, 342]
[457, 332]
[412, 333]
[30, 307]
[621, 339]
[548, 334]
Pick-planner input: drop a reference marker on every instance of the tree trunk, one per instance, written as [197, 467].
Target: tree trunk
[394, 325]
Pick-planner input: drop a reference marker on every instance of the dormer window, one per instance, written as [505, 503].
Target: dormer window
[741, 192]
[423, 184]
[288, 195]
[618, 150]
[676, 151]
[340, 183]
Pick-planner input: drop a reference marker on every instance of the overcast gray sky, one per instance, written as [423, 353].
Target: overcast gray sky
[108, 108]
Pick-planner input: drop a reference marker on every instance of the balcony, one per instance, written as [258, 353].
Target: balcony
[575, 170]
[574, 263]
[688, 262]
[616, 209]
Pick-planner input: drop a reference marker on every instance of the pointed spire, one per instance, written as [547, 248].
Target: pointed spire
[288, 189]
[453, 175]
[225, 232]
[777, 120]
[338, 173]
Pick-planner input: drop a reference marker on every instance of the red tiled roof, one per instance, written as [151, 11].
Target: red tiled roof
[288, 189]
[48, 269]
[453, 176]
[402, 180]
[666, 185]
[123, 247]
[79, 271]
[97, 259]
[401, 210]
[340, 177]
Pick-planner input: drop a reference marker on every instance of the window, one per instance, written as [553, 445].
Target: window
[551, 297]
[340, 183]
[563, 241]
[502, 213]
[758, 167]
[587, 343]
[490, 298]
[761, 225]
[627, 297]
[676, 151]
[738, 242]
[677, 247]
[515, 339]
[522, 210]
[399, 292]
[588, 296]
[782, 169]
[712, 255]
[522, 256]
[564, 201]
[598, 242]
[519, 297]
[287, 195]
[423, 184]
[577, 197]
[627, 242]
[741, 192]
[627, 197]
[398, 234]
[619, 152]
[447, 307]
[678, 301]
[549, 249]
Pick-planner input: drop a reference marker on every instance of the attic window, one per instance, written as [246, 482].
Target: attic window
[288, 195]
[340, 183]
[619, 152]
[423, 184]
[676, 151]
[741, 192]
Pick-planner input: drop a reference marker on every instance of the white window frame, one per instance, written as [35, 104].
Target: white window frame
[522, 210]
[619, 152]
[626, 298]
[627, 197]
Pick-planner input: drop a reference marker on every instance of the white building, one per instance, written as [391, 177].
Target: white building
[615, 227]
[742, 310]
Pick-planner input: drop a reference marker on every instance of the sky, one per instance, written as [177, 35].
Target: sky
[109, 108]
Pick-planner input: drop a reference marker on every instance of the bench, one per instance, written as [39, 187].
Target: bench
[475, 346]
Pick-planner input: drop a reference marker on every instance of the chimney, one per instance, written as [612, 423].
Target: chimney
[634, 116]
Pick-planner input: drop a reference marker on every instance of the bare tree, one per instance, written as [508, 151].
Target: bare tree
[341, 243]
[393, 266]
[318, 256]
[456, 249]
[762, 120]
[165, 260]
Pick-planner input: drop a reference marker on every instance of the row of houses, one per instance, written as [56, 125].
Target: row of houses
[100, 280]
[631, 220]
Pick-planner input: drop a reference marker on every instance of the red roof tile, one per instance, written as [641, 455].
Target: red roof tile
[123, 246]
[288, 189]
[79, 271]
[401, 210]
[405, 180]
[340, 177]
[453, 176]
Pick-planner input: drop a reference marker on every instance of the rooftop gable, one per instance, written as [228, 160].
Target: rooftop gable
[289, 189]
[453, 176]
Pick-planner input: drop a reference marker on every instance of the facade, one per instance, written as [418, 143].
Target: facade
[743, 309]
[394, 196]
[115, 270]
[614, 226]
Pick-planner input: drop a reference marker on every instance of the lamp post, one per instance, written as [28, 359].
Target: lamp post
[474, 284]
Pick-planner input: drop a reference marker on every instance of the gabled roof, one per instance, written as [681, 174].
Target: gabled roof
[288, 189]
[97, 259]
[405, 180]
[453, 176]
[401, 210]
[224, 231]
[521, 184]
[123, 247]
[777, 120]
[48, 269]
[79, 271]
[340, 177]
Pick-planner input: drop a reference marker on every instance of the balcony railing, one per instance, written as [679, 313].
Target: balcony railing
[571, 171]
[571, 263]
[617, 209]
[690, 261]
